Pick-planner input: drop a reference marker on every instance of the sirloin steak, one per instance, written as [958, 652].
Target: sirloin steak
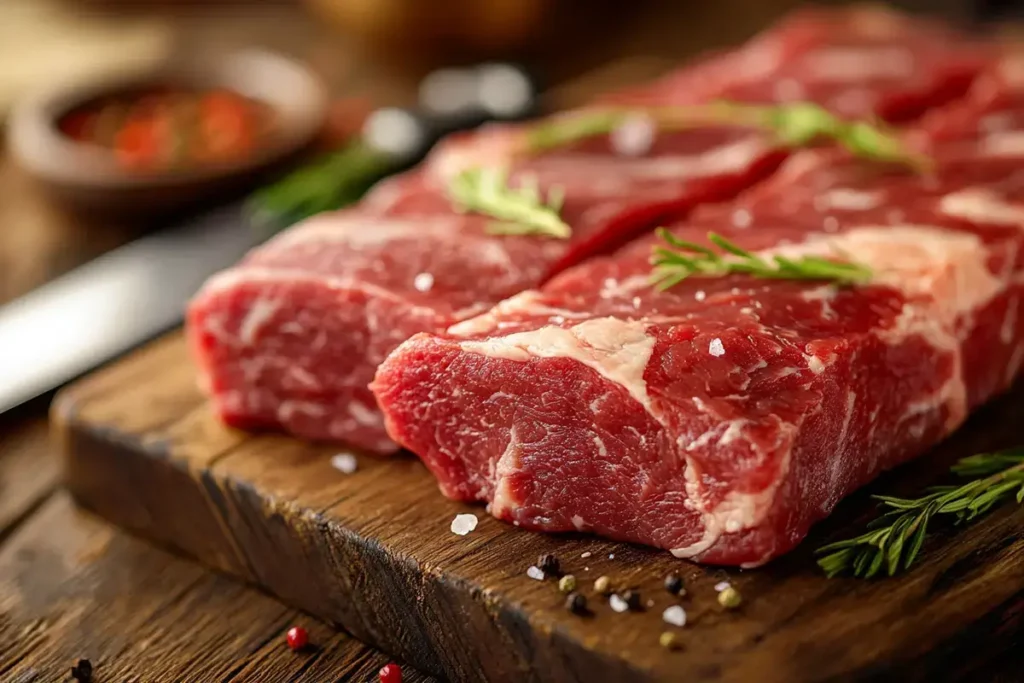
[291, 337]
[721, 418]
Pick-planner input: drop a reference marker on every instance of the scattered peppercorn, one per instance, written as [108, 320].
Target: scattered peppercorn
[674, 584]
[390, 673]
[548, 564]
[82, 671]
[669, 641]
[632, 598]
[729, 598]
[576, 603]
[567, 584]
[297, 638]
[603, 585]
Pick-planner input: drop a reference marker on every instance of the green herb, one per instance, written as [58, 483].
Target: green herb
[799, 124]
[520, 211]
[895, 538]
[334, 181]
[681, 259]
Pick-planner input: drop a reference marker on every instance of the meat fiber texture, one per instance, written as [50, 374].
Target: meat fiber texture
[291, 337]
[860, 61]
[721, 418]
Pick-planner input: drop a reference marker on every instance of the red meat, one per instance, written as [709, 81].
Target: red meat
[721, 418]
[291, 337]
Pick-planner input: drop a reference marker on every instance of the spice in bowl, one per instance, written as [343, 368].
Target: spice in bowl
[164, 128]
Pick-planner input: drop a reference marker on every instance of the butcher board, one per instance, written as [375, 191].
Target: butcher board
[372, 552]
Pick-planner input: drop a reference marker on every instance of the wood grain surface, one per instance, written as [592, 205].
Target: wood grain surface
[72, 586]
[372, 552]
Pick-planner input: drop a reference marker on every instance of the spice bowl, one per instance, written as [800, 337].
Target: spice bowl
[90, 176]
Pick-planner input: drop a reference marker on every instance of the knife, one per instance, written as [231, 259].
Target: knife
[130, 295]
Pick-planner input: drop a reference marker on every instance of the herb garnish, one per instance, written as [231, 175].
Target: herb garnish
[799, 124]
[520, 211]
[896, 537]
[681, 259]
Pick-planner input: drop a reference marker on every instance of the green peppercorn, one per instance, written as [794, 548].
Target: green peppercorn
[669, 641]
[730, 598]
[567, 584]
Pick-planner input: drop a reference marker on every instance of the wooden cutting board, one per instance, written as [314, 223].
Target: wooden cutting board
[372, 552]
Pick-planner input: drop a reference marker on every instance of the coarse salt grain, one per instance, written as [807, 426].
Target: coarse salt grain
[722, 585]
[700, 295]
[463, 524]
[634, 136]
[618, 604]
[674, 615]
[716, 348]
[423, 282]
[586, 555]
[345, 463]
[611, 556]
[535, 573]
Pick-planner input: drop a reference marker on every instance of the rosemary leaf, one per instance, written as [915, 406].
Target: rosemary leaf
[681, 259]
[901, 535]
[519, 211]
[797, 124]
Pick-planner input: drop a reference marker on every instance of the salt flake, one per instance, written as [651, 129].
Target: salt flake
[535, 573]
[423, 282]
[634, 136]
[463, 524]
[716, 348]
[618, 604]
[611, 556]
[586, 555]
[722, 585]
[700, 295]
[674, 615]
[345, 463]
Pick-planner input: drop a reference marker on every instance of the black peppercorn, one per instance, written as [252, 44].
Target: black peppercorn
[548, 564]
[674, 584]
[576, 603]
[82, 671]
[632, 598]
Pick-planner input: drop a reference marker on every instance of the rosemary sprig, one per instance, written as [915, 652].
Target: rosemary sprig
[798, 124]
[895, 538]
[520, 211]
[335, 180]
[681, 259]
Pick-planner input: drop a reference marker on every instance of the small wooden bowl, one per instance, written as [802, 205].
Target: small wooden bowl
[89, 177]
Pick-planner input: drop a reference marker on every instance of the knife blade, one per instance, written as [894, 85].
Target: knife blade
[112, 304]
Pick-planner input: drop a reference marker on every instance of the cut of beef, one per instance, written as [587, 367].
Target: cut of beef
[721, 418]
[291, 337]
[859, 61]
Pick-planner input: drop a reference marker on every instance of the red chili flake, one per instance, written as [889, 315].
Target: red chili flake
[297, 638]
[391, 673]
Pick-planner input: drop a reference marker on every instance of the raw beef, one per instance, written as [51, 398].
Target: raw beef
[859, 61]
[291, 337]
[721, 418]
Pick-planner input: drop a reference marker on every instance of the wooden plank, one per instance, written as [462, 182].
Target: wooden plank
[73, 587]
[28, 470]
[372, 551]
